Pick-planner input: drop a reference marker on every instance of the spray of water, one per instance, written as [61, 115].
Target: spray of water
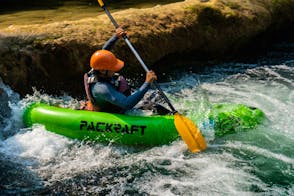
[257, 161]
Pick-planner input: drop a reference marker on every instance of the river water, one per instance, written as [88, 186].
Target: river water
[256, 162]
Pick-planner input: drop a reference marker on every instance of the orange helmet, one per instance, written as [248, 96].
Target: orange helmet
[105, 60]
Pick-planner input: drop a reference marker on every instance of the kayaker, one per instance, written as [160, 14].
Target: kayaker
[106, 90]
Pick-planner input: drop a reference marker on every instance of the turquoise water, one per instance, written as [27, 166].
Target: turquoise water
[256, 162]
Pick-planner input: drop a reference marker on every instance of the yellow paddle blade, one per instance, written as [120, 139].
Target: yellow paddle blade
[189, 133]
[101, 3]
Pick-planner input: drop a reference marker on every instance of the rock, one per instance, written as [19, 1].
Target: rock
[5, 110]
[4, 106]
[54, 56]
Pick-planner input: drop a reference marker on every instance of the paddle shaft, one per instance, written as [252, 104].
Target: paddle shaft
[137, 56]
[185, 127]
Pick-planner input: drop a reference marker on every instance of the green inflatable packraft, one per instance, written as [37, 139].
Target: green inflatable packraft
[134, 130]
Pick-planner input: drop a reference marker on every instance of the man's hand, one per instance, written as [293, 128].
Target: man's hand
[150, 76]
[119, 32]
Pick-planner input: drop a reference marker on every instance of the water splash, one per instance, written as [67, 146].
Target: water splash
[255, 162]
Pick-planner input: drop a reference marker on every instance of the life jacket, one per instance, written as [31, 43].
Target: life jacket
[117, 81]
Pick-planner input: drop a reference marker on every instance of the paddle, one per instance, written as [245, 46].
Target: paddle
[186, 128]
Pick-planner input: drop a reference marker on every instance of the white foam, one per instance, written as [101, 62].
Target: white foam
[36, 144]
[171, 169]
[262, 152]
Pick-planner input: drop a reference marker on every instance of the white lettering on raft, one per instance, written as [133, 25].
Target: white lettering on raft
[111, 127]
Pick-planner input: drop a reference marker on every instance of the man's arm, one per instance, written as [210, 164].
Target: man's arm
[110, 43]
[106, 92]
[119, 33]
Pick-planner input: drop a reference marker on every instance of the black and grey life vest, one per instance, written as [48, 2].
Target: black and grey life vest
[117, 81]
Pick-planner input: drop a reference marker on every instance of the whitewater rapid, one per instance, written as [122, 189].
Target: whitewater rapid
[256, 162]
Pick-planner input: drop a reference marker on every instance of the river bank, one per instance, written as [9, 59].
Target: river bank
[54, 56]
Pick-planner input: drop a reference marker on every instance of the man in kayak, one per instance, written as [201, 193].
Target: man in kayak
[106, 90]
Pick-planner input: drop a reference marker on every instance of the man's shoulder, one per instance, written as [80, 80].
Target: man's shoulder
[101, 86]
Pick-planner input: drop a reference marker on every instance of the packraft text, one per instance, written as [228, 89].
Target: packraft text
[112, 127]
